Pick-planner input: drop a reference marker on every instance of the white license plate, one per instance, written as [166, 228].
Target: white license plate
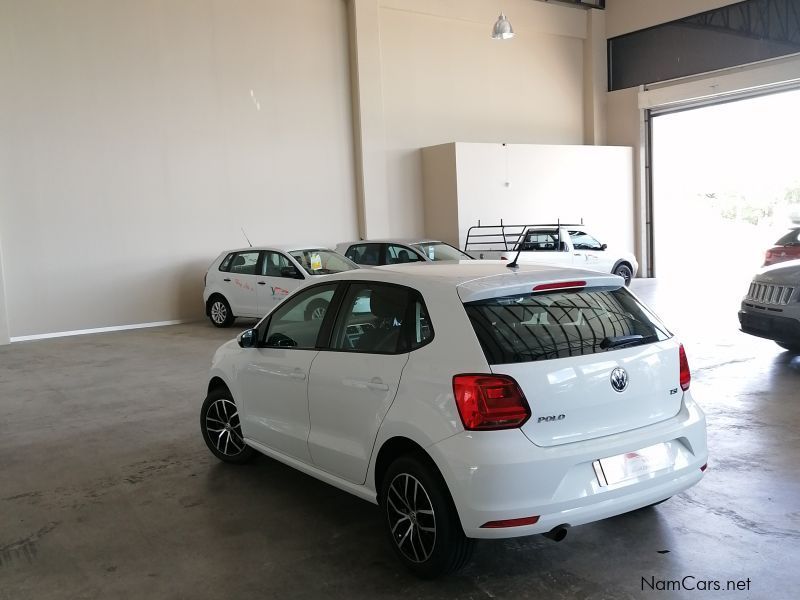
[632, 465]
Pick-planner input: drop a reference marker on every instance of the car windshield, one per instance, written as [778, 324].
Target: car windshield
[322, 262]
[790, 239]
[441, 251]
[530, 327]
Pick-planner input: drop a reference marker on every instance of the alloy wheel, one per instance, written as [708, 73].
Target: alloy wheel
[318, 313]
[411, 518]
[219, 312]
[223, 427]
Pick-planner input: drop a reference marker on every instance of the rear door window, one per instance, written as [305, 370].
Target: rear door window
[244, 263]
[542, 326]
[365, 254]
[371, 319]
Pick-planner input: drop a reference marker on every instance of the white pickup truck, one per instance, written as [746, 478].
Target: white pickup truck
[559, 244]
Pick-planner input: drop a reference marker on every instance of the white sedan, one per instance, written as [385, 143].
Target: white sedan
[250, 282]
[468, 400]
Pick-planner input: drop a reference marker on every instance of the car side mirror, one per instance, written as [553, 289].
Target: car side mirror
[603, 247]
[291, 272]
[248, 338]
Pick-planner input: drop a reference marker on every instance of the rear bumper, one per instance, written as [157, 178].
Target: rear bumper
[500, 475]
[761, 323]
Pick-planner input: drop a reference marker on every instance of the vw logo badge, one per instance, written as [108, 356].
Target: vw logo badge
[619, 379]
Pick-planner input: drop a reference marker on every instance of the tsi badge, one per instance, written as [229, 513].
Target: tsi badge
[619, 379]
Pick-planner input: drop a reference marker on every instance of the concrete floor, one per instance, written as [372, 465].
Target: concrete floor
[107, 490]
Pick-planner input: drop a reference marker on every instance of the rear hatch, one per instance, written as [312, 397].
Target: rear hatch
[589, 357]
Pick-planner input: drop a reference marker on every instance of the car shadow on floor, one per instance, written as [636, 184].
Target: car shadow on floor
[343, 535]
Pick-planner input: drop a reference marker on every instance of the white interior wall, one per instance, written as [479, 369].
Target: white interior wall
[524, 183]
[136, 138]
[442, 78]
[4, 336]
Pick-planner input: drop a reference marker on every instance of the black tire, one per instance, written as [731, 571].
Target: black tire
[447, 548]
[790, 347]
[221, 428]
[625, 271]
[316, 309]
[219, 311]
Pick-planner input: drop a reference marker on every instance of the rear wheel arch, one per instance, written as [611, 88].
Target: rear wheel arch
[394, 448]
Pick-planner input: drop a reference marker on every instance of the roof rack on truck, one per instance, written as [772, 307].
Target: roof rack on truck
[505, 238]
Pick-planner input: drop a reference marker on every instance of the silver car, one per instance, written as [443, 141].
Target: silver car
[399, 251]
[771, 308]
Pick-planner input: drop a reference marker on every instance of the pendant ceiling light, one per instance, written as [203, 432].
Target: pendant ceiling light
[502, 29]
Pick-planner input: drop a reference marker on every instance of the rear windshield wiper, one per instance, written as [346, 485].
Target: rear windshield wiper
[621, 341]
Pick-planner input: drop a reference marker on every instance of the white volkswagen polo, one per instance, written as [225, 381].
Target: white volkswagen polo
[467, 399]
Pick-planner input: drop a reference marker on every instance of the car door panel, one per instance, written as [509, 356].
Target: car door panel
[353, 384]
[273, 383]
[240, 284]
[588, 252]
[274, 376]
[349, 394]
[273, 286]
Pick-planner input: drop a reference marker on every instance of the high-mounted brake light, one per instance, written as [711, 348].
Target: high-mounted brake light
[561, 285]
[490, 402]
[686, 374]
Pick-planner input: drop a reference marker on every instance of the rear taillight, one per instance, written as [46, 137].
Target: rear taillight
[490, 402]
[686, 374]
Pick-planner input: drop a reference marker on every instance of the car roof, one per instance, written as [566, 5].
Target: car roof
[477, 279]
[281, 248]
[406, 241]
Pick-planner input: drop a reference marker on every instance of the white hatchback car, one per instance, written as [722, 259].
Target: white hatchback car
[250, 282]
[467, 400]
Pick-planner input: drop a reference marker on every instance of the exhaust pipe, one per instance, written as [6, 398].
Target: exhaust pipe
[557, 533]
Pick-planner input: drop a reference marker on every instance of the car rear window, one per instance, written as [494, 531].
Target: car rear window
[541, 326]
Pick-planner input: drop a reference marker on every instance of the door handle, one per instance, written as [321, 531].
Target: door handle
[298, 374]
[226, 279]
[262, 283]
[377, 384]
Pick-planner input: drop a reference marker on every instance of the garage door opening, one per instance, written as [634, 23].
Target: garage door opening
[726, 186]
